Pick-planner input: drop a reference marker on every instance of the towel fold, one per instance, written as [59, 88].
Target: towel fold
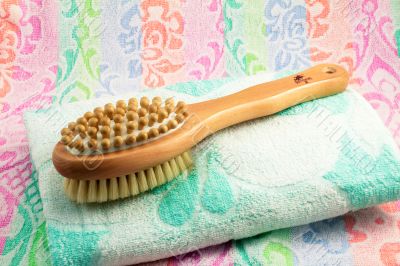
[313, 161]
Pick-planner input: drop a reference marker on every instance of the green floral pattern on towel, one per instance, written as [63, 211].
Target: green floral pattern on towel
[30, 240]
[367, 174]
[275, 251]
[77, 241]
[180, 200]
[199, 88]
[217, 195]
[178, 204]
[273, 246]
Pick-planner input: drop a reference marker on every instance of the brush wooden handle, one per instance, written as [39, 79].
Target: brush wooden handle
[204, 119]
[269, 98]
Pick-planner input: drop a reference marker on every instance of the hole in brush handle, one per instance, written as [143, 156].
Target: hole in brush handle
[329, 70]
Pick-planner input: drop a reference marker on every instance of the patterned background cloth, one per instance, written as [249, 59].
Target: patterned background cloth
[54, 52]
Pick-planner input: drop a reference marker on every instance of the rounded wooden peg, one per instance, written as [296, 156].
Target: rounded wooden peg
[105, 131]
[153, 108]
[132, 107]
[153, 119]
[66, 140]
[105, 121]
[130, 139]
[179, 118]
[92, 144]
[118, 118]
[133, 101]
[117, 129]
[98, 110]
[88, 115]
[109, 110]
[108, 105]
[71, 144]
[78, 144]
[170, 101]
[121, 104]
[118, 141]
[71, 126]
[81, 121]
[120, 111]
[162, 114]
[99, 113]
[153, 132]
[92, 132]
[142, 112]
[132, 116]
[81, 130]
[143, 122]
[180, 106]
[142, 136]
[105, 144]
[144, 102]
[172, 124]
[66, 131]
[157, 100]
[93, 122]
[131, 126]
[163, 128]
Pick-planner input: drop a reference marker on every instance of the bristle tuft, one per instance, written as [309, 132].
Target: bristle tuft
[73, 189]
[113, 189]
[151, 178]
[159, 175]
[142, 181]
[90, 191]
[123, 187]
[133, 185]
[102, 195]
[82, 191]
[187, 158]
[180, 163]
[66, 184]
[174, 167]
[167, 171]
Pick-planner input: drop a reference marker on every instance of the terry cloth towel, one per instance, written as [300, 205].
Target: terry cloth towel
[314, 161]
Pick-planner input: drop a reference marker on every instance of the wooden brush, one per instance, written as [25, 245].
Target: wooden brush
[128, 148]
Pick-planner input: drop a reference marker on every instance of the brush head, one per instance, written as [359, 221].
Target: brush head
[121, 127]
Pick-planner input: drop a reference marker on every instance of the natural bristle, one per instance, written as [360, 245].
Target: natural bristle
[90, 191]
